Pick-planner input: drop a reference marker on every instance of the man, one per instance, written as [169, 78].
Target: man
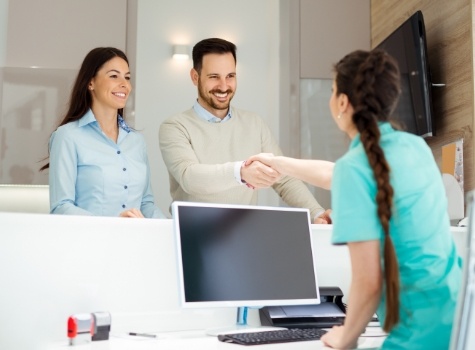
[205, 147]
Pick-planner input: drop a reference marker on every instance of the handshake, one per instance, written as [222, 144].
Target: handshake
[264, 170]
[259, 171]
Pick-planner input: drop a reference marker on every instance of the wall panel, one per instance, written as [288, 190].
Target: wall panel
[450, 50]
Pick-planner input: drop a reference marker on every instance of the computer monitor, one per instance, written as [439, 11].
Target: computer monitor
[244, 256]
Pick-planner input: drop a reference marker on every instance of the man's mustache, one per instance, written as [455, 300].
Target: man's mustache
[228, 91]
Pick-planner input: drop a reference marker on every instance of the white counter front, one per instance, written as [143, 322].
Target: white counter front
[54, 266]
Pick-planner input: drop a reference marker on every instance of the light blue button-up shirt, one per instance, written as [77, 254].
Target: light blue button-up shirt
[206, 115]
[90, 174]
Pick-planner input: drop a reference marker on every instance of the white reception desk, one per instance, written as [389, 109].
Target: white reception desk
[54, 266]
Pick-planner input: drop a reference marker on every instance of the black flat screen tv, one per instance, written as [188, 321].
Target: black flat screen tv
[407, 44]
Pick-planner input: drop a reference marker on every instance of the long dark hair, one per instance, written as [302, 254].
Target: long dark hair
[371, 80]
[80, 100]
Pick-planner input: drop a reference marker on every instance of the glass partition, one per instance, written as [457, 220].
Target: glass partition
[320, 138]
[31, 101]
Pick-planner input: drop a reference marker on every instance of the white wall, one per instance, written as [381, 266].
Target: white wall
[163, 86]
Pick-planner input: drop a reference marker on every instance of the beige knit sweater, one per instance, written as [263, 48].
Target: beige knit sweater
[200, 158]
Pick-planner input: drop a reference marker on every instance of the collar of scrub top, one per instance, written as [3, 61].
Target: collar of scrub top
[207, 116]
[384, 128]
[90, 118]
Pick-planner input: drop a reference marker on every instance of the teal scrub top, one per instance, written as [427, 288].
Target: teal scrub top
[429, 266]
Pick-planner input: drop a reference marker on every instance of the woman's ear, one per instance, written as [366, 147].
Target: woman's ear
[343, 102]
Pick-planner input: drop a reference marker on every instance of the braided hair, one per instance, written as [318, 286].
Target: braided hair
[371, 81]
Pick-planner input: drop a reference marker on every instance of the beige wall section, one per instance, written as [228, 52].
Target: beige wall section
[450, 48]
[329, 29]
[58, 34]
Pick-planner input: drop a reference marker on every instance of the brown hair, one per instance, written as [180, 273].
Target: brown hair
[371, 80]
[211, 45]
[81, 100]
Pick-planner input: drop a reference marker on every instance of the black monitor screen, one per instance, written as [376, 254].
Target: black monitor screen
[407, 44]
[244, 256]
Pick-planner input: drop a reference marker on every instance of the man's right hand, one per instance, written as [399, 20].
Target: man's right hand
[259, 175]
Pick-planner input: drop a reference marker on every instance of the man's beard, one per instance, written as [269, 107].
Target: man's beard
[209, 99]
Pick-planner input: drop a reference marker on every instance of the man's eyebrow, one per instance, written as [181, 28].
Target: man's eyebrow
[209, 74]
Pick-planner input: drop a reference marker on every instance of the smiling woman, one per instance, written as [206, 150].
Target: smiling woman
[98, 164]
[110, 88]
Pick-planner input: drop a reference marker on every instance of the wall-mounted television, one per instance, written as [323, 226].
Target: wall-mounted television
[407, 44]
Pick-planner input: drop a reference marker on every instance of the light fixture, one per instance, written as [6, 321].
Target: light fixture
[180, 52]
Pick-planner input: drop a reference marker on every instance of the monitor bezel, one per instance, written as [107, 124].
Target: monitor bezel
[237, 303]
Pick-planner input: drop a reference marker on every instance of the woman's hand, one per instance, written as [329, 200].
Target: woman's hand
[264, 158]
[335, 338]
[131, 213]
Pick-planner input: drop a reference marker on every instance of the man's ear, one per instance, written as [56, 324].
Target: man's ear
[194, 76]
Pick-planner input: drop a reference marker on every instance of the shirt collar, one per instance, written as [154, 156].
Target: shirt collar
[89, 118]
[207, 116]
[121, 122]
[384, 128]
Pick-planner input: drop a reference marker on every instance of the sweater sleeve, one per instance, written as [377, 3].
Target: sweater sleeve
[194, 177]
[292, 191]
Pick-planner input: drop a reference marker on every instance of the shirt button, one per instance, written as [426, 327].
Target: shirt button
[123, 205]
[118, 152]
[125, 186]
[124, 169]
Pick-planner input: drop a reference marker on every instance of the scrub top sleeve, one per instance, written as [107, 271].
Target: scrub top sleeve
[353, 196]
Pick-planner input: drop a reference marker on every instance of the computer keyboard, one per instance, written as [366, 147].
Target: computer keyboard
[271, 337]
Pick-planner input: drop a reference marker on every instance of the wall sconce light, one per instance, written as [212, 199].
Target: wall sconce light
[181, 52]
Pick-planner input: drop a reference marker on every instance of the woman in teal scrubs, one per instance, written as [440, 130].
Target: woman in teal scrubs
[390, 208]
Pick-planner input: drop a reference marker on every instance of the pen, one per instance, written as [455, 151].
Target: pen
[143, 335]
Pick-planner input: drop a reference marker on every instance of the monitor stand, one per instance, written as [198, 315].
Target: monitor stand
[241, 325]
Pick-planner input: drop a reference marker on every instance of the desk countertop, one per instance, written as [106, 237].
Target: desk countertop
[197, 341]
